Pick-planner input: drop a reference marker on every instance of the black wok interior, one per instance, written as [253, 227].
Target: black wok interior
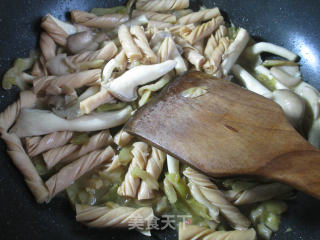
[290, 23]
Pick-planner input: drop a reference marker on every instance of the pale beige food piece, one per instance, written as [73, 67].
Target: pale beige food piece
[38, 70]
[234, 50]
[202, 31]
[159, 25]
[70, 173]
[71, 152]
[125, 87]
[97, 141]
[37, 145]
[200, 46]
[191, 53]
[107, 52]
[194, 232]
[122, 138]
[115, 164]
[168, 50]
[53, 156]
[213, 40]
[22, 161]
[162, 17]
[55, 85]
[175, 29]
[200, 16]
[212, 66]
[93, 102]
[261, 193]
[154, 168]
[215, 49]
[199, 197]
[131, 49]
[57, 29]
[27, 99]
[15, 149]
[48, 46]
[142, 42]
[130, 185]
[216, 198]
[113, 217]
[41, 83]
[161, 6]
[118, 63]
[36, 122]
[94, 21]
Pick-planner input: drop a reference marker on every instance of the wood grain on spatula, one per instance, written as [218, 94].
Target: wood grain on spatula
[228, 131]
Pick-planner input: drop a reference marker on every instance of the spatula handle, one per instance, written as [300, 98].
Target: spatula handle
[300, 169]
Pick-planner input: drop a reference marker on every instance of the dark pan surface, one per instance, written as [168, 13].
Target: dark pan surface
[291, 23]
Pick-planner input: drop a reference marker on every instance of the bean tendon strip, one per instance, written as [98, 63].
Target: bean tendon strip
[130, 185]
[67, 175]
[37, 145]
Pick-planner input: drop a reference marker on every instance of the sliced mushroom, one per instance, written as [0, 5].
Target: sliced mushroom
[292, 105]
[125, 86]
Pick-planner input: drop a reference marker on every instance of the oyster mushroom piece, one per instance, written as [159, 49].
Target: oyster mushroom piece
[34, 122]
[125, 86]
[292, 105]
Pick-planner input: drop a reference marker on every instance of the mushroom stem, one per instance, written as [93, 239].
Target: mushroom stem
[250, 82]
[260, 47]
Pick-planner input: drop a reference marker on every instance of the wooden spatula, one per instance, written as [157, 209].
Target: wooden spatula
[228, 131]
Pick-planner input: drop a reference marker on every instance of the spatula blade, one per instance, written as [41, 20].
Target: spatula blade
[227, 131]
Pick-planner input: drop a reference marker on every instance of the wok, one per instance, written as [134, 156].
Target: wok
[291, 23]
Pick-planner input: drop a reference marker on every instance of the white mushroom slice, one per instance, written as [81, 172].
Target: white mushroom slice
[292, 105]
[310, 95]
[291, 70]
[261, 47]
[286, 79]
[125, 86]
[33, 122]
[80, 41]
[250, 82]
[266, 72]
